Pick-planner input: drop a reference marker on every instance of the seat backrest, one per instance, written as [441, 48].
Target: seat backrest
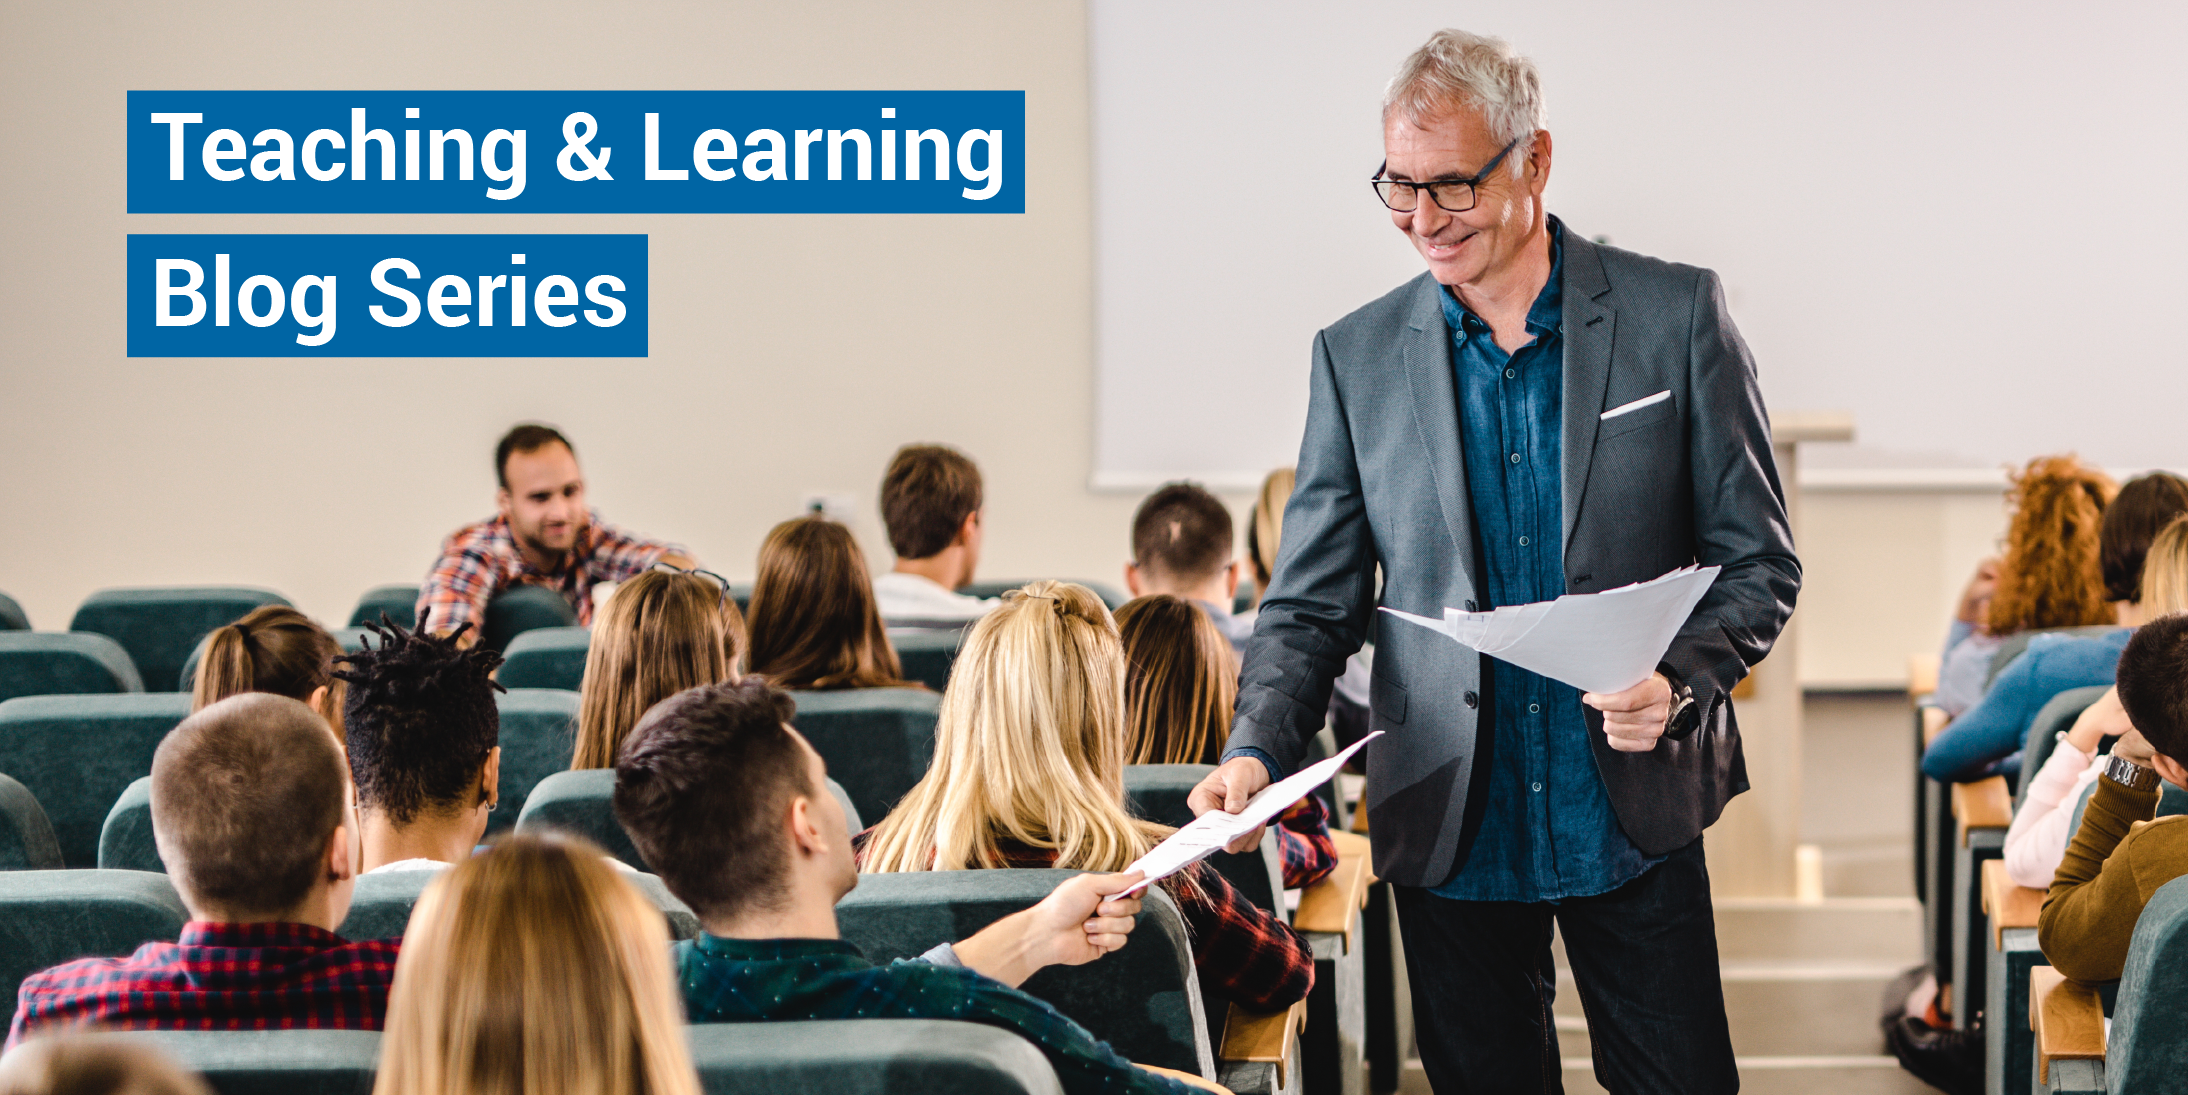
[380, 906]
[399, 602]
[1112, 596]
[582, 802]
[11, 615]
[2016, 645]
[1144, 1000]
[1157, 792]
[78, 753]
[159, 626]
[546, 657]
[2172, 801]
[51, 917]
[2147, 1049]
[27, 842]
[926, 656]
[868, 1057]
[519, 609]
[2053, 719]
[64, 663]
[271, 1062]
[877, 741]
[538, 734]
[125, 840]
[352, 640]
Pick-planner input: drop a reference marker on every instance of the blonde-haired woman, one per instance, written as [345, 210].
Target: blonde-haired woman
[661, 632]
[1029, 772]
[1181, 685]
[531, 969]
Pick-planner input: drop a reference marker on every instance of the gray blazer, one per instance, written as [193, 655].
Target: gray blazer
[1382, 486]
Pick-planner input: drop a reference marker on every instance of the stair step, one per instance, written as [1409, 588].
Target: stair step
[1860, 1075]
[1883, 930]
[1804, 1012]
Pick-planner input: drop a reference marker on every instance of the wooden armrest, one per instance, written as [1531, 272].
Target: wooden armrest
[2067, 1017]
[1984, 804]
[1333, 904]
[2009, 905]
[1933, 724]
[1186, 1078]
[1359, 814]
[1268, 1038]
[1922, 670]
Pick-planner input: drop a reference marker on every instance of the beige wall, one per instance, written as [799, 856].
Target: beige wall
[1882, 569]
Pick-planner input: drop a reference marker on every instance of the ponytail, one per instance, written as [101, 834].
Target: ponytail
[226, 668]
[273, 649]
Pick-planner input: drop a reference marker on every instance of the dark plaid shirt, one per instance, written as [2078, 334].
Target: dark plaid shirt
[767, 980]
[1303, 837]
[219, 977]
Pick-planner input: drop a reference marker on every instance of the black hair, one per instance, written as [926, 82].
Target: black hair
[420, 720]
[2153, 684]
[2144, 506]
[525, 437]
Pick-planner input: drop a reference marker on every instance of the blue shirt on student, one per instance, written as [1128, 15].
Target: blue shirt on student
[1996, 728]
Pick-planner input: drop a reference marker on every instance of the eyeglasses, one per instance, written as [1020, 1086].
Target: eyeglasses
[1450, 195]
[718, 580]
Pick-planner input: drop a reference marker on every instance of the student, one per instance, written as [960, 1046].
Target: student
[2119, 856]
[814, 622]
[543, 535]
[249, 815]
[1028, 772]
[726, 803]
[85, 1065]
[531, 967]
[423, 736]
[2049, 576]
[660, 633]
[1181, 683]
[1181, 545]
[274, 648]
[930, 502]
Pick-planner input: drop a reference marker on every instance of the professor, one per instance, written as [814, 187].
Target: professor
[1538, 414]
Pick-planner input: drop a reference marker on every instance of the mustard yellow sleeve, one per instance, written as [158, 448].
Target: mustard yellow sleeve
[2089, 915]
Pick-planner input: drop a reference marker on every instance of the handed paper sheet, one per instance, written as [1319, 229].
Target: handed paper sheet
[1208, 833]
[1596, 642]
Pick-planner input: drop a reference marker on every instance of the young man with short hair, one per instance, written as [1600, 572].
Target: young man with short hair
[544, 535]
[1181, 545]
[424, 746]
[2120, 856]
[248, 810]
[726, 803]
[930, 503]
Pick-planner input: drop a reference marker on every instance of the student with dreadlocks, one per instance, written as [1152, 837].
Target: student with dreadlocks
[423, 736]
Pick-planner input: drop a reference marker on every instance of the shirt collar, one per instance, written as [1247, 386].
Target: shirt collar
[210, 933]
[1545, 317]
[773, 950]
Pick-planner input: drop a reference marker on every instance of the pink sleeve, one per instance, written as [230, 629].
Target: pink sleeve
[2037, 841]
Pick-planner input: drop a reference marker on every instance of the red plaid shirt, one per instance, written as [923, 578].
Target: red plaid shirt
[1303, 838]
[481, 560]
[218, 977]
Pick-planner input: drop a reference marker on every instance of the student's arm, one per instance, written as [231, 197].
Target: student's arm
[2089, 916]
[1303, 840]
[1072, 926]
[2038, 836]
[1995, 727]
[1245, 951]
[619, 555]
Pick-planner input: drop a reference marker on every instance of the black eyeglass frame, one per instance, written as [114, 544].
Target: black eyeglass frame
[1381, 193]
[671, 568]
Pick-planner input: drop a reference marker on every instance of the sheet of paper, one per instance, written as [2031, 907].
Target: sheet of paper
[1208, 833]
[1596, 642]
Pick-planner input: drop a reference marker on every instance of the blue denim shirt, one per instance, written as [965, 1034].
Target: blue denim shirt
[1547, 828]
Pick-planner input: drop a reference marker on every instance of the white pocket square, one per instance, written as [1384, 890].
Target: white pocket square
[1629, 408]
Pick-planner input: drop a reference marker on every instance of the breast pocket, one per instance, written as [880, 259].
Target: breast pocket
[1640, 418]
[1386, 699]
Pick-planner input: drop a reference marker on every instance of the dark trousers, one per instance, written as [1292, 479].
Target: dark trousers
[1644, 956]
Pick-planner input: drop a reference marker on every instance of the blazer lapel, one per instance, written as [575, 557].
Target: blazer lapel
[1428, 369]
[1590, 323]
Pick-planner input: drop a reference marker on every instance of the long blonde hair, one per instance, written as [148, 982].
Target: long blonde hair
[2165, 572]
[1181, 682]
[532, 969]
[660, 633]
[1030, 748]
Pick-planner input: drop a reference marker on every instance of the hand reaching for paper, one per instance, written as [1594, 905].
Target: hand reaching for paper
[1634, 719]
[1228, 789]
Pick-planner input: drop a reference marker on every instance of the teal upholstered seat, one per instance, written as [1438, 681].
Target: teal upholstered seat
[63, 663]
[160, 626]
[352, 640]
[582, 802]
[125, 840]
[1144, 1000]
[27, 842]
[78, 753]
[519, 609]
[926, 656]
[400, 603]
[868, 1057]
[272, 1062]
[1110, 595]
[1157, 792]
[51, 917]
[877, 741]
[11, 615]
[2052, 719]
[538, 734]
[546, 657]
[380, 906]
[741, 592]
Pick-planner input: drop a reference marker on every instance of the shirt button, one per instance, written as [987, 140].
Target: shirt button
[1510, 373]
[1538, 787]
[1472, 700]
[1515, 458]
[1534, 708]
[1523, 541]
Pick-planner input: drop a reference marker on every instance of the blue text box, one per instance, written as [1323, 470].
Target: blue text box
[576, 151]
[387, 295]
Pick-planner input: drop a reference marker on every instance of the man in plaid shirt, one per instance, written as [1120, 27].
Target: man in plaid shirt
[249, 809]
[543, 535]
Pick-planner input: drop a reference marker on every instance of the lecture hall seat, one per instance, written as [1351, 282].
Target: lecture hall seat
[2146, 1048]
[877, 741]
[582, 802]
[2054, 718]
[517, 610]
[538, 736]
[399, 602]
[125, 838]
[927, 656]
[51, 917]
[381, 904]
[546, 657]
[11, 615]
[64, 663]
[77, 754]
[27, 842]
[160, 625]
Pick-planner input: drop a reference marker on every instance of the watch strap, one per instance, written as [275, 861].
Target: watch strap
[2130, 775]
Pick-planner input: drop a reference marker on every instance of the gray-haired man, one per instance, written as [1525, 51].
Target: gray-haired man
[1535, 415]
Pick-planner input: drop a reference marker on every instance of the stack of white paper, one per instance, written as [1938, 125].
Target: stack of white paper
[1596, 642]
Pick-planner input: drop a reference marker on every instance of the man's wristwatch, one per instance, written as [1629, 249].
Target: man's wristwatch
[1686, 715]
[2130, 775]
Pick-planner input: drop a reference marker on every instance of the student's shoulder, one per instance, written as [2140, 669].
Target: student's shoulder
[2157, 850]
[479, 537]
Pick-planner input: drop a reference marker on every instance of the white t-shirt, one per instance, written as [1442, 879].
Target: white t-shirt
[910, 600]
[437, 865]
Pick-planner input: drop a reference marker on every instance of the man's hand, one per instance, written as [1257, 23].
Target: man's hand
[1634, 719]
[2134, 749]
[1227, 789]
[1072, 926]
[2102, 719]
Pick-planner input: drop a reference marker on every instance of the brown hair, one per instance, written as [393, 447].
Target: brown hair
[79, 1064]
[926, 495]
[2049, 575]
[660, 633]
[273, 648]
[526, 437]
[1182, 534]
[1265, 526]
[702, 788]
[245, 795]
[1181, 682]
[815, 624]
[533, 969]
[2144, 505]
